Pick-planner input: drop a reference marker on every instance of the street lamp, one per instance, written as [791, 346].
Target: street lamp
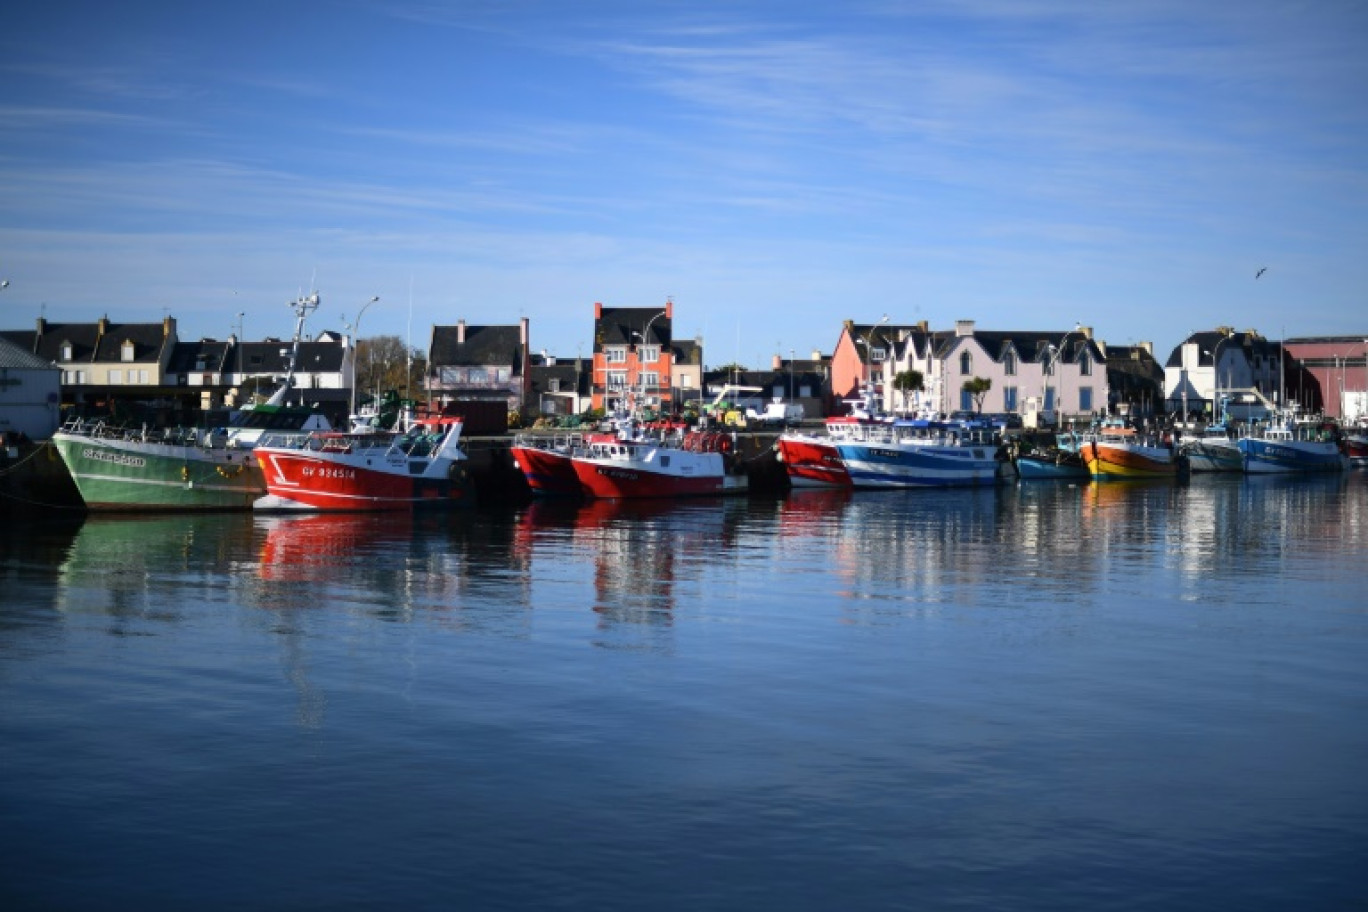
[1056, 352]
[644, 335]
[1215, 354]
[869, 362]
[791, 357]
[355, 330]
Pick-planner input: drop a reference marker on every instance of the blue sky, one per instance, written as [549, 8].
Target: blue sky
[773, 167]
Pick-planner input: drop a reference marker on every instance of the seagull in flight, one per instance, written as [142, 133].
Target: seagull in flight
[1261, 271]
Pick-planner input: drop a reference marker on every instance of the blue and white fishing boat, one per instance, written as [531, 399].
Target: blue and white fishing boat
[917, 453]
[1283, 449]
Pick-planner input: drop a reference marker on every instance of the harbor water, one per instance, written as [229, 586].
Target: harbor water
[1042, 696]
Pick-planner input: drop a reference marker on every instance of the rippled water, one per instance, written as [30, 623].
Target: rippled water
[1040, 697]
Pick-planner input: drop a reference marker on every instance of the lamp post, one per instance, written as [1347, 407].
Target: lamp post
[869, 362]
[1215, 354]
[1050, 365]
[355, 329]
[644, 335]
[791, 356]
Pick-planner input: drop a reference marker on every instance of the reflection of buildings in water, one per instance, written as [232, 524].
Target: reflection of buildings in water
[905, 552]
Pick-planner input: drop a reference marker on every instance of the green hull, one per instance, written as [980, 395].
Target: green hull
[130, 475]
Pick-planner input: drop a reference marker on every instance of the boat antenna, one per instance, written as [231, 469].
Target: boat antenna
[303, 306]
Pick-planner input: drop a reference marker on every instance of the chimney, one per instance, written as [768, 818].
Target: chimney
[460, 332]
[168, 327]
[778, 362]
[522, 331]
[964, 328]
[1085, 331]
[42, 326]
[103, 326]
[816, 355]
[923, 326]
[1147, 348]
[598, 310]
[669, 308]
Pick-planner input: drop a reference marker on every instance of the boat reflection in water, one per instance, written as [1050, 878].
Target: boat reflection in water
[645, 555]
[116, 562]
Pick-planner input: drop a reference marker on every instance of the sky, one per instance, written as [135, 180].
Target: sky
[773, 168]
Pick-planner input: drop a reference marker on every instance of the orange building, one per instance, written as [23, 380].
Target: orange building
[632, 356]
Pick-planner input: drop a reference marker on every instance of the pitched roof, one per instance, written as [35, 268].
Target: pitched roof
[1250, 342]
[13, 357]
[273, 357]
[186, 356]
[484, 345]
[617, 325]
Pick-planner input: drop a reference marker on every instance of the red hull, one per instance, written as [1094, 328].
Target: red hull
[813, 463]
[1356, 448]
[548, 472]
[612, 480]
[306, 481]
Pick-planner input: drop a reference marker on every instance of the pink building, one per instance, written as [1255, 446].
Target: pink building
[1337, 365]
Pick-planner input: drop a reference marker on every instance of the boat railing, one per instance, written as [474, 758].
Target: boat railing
[103, 429]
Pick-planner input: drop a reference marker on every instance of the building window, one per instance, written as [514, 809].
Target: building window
[553, 385]
[1085, 365]
[617, 380]
[878, 354]
[67, 353]
[1009, 398]
[686, 382]
[116, 377]
[1009, 364]
[1085, 403]
[126, 351]
[615, 354]
[966, 364]
[648, 353]
[650, 380]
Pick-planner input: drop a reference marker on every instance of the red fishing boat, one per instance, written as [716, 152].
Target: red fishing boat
[702, 463]
[422, 467]
[545, 461]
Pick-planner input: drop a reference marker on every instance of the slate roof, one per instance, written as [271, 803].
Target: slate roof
[14, 357]
[89, 346]
[273, 357]
[484, 345]
[684, 351]
[564, 371]
[616, 325]
[186, 356]
[1251, 343]
[1034, 346]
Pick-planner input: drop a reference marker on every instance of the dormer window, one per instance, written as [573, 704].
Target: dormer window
[126, 350]
[878, 354]
[68, 352]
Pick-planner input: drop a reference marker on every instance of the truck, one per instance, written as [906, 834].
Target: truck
[777, 413]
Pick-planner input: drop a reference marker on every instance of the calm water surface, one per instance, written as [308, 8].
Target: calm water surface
[1040, 697]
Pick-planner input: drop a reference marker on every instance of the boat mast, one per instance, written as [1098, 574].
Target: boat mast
[302, 308]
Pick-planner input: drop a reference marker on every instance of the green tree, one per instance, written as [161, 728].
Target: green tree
[908, 381]
[385, 363]
[977, 387]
